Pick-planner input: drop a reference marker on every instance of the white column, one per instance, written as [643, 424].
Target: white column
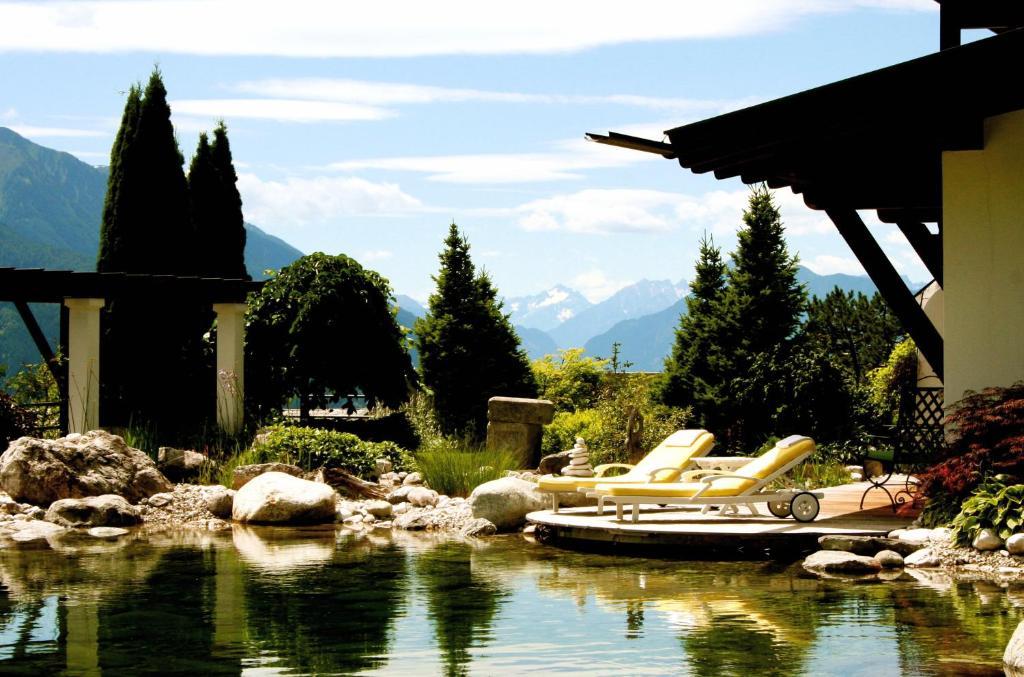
[230, 365]
[83, 364]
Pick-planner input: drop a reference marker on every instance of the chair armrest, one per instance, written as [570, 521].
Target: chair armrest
[691, 475]
[730, 476]
[673, 471]
[600, 470]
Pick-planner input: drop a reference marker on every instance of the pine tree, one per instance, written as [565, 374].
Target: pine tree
[468, 350]
[119, 207]
[763, 304]
[858, 331]
[227, 239]
[203, 185]
[693, 372]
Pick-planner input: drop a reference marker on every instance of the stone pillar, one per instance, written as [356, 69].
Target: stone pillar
[516, 424]
[230, 365]
[83, 364]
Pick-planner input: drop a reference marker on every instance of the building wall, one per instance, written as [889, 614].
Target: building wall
[931, 301]
[983, 259]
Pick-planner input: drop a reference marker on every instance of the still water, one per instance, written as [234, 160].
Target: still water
[324, 601]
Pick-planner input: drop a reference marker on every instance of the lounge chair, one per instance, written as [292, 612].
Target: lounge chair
[663, 464]
[728, 490]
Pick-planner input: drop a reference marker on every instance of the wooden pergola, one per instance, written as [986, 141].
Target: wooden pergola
[82, 295]
[872, 142]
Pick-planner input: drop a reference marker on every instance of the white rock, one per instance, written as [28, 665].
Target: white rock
[344, 513]
[889, 559]
[922, 559]
[505, 502]
[220, 501]
[379, 509]
[35, 530]
[353, 519]
[1015, 544]
[896, 533]
[369, 519]
[987, 539]
[413, 478]
[277, 498]
[107, 532]
[942, 535]
[421, 496]
[837, 561]
[107, 510]
[916, 536]
[1013, 657]
[400, 508]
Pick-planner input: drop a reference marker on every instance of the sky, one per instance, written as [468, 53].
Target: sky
[367, 128]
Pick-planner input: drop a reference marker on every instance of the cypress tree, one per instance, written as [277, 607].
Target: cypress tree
[468, 350]
[227, 239]
[693, 373]
[202, 194]
[119, 206]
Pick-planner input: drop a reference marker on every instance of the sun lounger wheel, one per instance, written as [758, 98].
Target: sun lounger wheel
[804, 507]
[779, 508]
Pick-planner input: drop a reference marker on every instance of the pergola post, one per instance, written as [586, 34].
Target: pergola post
[230, 365]
[83, 363]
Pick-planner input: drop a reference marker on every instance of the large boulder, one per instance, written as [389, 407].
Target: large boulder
[93, 511]
[277, 497]
[868, 545]
[505, 502]
[245, 473]
[43, 471]
[220, 502]
[1013, 656]
[182, 465]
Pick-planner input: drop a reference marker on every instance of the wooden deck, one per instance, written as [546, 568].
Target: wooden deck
[688, 532]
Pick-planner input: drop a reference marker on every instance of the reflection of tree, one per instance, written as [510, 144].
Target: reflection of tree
[329, 618]
[461, 604]
[170, 615]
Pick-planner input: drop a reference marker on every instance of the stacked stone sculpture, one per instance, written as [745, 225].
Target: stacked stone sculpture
[579, 461]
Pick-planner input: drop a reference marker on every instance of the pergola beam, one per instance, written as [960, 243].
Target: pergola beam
[42, 345]
[927, 245]
[890, 286]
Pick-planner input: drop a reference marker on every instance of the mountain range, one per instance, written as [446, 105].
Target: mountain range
[51, 204]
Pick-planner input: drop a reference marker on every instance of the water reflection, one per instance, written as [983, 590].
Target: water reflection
[325, 601]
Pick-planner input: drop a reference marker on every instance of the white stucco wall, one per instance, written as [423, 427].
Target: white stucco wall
[931, 301]
[983, 259]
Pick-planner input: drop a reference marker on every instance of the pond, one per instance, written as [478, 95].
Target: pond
[325, 601]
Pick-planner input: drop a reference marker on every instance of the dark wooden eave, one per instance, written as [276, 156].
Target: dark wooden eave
[35, 285]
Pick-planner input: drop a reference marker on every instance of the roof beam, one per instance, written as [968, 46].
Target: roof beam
[665, 150]
[927, 245]
[899, 299]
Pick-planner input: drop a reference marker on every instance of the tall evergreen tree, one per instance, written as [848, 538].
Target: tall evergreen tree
[763, 303]
[468, 350]
[228, 236]
[120, 206]
[694, 371]
[858, 331]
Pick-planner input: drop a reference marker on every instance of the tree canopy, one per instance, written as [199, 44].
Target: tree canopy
[320, 330]
[469, 351]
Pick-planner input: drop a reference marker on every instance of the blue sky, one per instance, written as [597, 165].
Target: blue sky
[366, 128]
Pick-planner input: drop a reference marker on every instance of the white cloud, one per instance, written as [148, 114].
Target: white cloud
[284, 110]
[327, 28]
[34, 132]
[569, 158]
[306, 201]
[596, 286]
[372, 93]
[376, 255]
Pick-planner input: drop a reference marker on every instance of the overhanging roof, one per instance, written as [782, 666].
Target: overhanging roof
[873, 141]
[35, 285]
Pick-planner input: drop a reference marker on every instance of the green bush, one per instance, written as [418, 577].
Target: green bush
[566, 426]
[456, 472]
[994, 505]
[886, 382]
[569, 379]
[311, 448]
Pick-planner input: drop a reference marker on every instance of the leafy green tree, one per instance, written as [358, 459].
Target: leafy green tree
[695, 371]
[320, 330]
[468, 350]
[569, 379]
[857, 330]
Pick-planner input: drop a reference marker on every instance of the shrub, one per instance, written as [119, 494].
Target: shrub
[569, 379]
[456, 472]
[994, 505]
[566, 426]
[987, 438]
[15, 421]
[886, 382]
[311, 448]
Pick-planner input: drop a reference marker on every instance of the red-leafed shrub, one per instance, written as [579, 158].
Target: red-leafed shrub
[986, 439]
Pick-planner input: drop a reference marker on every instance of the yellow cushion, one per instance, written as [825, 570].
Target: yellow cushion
[761, 467]
[676, 451]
